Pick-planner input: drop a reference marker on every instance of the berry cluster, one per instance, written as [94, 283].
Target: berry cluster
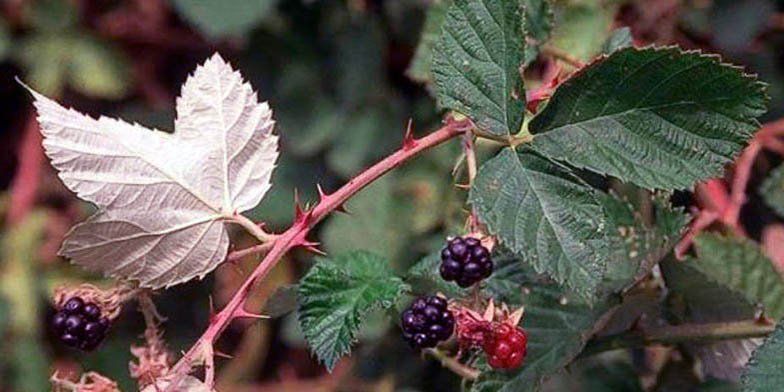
[80, 324]
[465, 261]
[427, 321]
[505, 347]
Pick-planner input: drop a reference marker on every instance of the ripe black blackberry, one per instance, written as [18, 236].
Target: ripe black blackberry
[80, 324]
[426, 322]
[465, 261]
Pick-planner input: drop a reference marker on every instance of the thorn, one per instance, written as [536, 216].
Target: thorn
[221, 354]
[245, 314]
[313, 247]
[490, 311]
[300, 214]
[408, 138]
[342, 208]
[321, 193]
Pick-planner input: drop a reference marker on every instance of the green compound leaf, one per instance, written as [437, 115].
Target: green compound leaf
[220, 18]
[659, 118]
[557, 325]
[740, 265]
[336, 294]
[476, 63]
[773, 190]
[765, 371]
[538, 26]
[545, 215]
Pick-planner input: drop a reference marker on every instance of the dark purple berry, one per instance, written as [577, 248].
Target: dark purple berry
[93, 329]
[58, 321]
[73, 305]
[426, 322]
[74, 325]
[465, 261]
[91, 311]
[71, 340]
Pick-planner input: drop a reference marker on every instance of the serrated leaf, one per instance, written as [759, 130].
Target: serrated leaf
[557, 325]
[740, 265]
[538, 26]
[419, 68]
[476, 63]
[336, 294]
[619, 38]
[219, 18]
[765, 372]
[163, 198]
[773, 190]
[659, 118]
[545, 215]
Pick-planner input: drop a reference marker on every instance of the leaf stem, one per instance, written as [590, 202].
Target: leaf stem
[675, 334]
[296, 236]
[251, 227]
[508, 140]
[464, 371]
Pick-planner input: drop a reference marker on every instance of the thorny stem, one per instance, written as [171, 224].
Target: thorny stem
[296, 236]
[674, 334]
[465, 372]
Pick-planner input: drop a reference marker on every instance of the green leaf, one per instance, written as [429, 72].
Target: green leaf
[616, 376]
[419, 68]
[582, 27]
[220, 18]
[538, 26]
[765, 371]
[557, 325]
[619, 38]
[773, 190]
[336, 294]
[545, 215]
[740, 265]
[476, 63]
[659, 118]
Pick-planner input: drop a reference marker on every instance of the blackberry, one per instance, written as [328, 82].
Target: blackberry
[426, 322]
[79, 324]
[465, 261]
[505, 347]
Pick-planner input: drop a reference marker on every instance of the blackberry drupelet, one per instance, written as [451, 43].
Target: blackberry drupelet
[465, 261]
[505, 347]
[79, 324]
[426, 322]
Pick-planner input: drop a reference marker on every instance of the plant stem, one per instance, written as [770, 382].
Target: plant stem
[296, 236]
[561, 55]
[509, 140]
[464, 371]
[251, 227]
[674, 334]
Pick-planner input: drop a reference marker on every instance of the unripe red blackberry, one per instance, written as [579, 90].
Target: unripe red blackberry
[505, 347]
[465, 261]
[80, 324]
[426, 322]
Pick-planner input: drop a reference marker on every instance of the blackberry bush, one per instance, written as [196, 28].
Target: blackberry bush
[80, 325]
[427, 321]
[465, 261]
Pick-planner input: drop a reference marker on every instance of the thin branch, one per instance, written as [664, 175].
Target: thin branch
[296, 236]
[464, 371]
[675, 334]
[251, 227]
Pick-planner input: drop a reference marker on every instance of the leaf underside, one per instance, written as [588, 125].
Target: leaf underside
[476, 63]
[336, 294]
[656, 117]
[545, 215]
[162, 197]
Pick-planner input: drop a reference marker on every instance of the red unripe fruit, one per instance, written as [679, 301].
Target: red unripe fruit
[505, 347]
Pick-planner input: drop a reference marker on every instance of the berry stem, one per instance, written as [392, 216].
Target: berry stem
[464, 371]
[296, 236]
[675, 334]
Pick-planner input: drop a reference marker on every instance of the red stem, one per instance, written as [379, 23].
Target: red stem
[296, 235]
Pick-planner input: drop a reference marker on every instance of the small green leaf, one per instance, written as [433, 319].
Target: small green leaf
[336, 294]
[659, 118]
[419, 68]
[220, 18]
[739, 264]
[765, 371]
[557, 325]
[582, 27]
[476, 63]
[538, 26]
[545, 215]
[773, 190]
[619, 38]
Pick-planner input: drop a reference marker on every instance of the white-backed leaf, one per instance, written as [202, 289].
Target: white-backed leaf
[163, 197]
